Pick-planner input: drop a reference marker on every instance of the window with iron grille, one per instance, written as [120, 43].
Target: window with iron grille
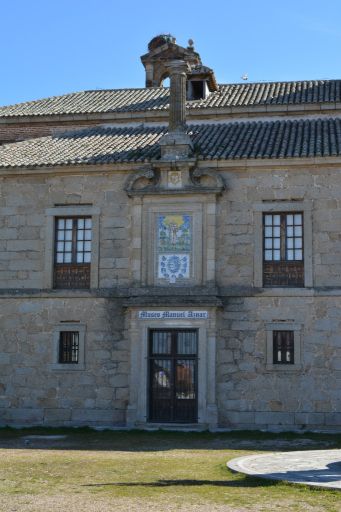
[68, 347]
[283, 258]
[72, 252]
[283, 347]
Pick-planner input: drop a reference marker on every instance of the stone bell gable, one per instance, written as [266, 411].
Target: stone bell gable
[162, 50]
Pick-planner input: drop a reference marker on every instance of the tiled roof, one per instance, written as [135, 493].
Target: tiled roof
[157, 98]
[238, 140]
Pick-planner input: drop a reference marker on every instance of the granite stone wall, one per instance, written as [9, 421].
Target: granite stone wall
[34, 392]
[319, 188]
[24, 235]
[250, 394]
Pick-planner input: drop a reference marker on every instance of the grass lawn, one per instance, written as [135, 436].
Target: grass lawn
[149, 471]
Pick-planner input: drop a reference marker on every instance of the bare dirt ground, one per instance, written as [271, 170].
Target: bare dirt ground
[95, 504]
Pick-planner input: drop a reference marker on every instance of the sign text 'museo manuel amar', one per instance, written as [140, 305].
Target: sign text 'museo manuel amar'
[165, 315]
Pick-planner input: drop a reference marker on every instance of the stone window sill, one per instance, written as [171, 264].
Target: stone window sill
[67, 367]
[284, 367]
[286, 291]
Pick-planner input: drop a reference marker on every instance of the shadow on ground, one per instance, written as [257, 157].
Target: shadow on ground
[245, 482]
[331, 474]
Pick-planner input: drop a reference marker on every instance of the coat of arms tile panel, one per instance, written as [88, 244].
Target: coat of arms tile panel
[174, 246]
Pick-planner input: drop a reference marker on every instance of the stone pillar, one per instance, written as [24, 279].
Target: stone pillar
[177, 104]
[149, 75]
[176, 144]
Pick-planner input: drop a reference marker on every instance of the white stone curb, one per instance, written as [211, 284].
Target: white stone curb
[317, 468]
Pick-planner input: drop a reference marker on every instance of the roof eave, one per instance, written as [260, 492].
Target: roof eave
[246, 163]
[194, 111]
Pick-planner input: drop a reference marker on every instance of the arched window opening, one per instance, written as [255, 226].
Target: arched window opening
[165, 82]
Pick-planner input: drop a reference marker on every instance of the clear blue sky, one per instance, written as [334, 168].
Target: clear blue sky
[51, 47]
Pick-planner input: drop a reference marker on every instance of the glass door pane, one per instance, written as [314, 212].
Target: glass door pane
[187, 342]
[185, 390]
[161, 389]
[161, 342]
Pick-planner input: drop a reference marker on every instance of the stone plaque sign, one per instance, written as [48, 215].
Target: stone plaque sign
[172, 315]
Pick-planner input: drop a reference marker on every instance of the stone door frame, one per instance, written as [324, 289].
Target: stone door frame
[138, 332]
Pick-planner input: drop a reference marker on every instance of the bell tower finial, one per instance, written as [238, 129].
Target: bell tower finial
[189, 79]
[162, 49]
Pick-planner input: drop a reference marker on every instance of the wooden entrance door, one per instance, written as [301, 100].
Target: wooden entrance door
[173, 375]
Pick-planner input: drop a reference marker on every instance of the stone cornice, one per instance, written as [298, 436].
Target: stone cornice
[192, 114]
[167, 295]
[242, 164]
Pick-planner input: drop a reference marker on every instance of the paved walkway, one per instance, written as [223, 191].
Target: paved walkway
[321, 468]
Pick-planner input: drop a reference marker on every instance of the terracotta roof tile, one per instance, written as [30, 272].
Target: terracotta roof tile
[157, 98]
[230, 141]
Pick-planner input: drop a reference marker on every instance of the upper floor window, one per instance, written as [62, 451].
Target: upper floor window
[72, 252]
[283, 263]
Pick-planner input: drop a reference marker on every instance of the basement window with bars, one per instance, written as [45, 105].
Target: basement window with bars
[68, 347]
[283, 347]
[283, 263]
[72, 252]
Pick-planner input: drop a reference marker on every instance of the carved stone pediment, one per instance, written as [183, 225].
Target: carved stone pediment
[207, 178]
[143, 181]
[163, 49]
[174, 178]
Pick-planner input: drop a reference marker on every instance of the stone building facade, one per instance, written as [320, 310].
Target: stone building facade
[172, 256]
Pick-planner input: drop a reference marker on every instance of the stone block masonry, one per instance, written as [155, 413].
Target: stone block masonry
[283, 397]
[250, 394]
[33, 391]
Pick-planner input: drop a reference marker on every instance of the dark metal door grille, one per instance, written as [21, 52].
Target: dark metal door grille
[173, 376]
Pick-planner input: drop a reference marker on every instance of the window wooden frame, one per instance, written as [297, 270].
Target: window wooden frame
[278, 268]
[283, 206]
[70, 272]
[71, 211]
